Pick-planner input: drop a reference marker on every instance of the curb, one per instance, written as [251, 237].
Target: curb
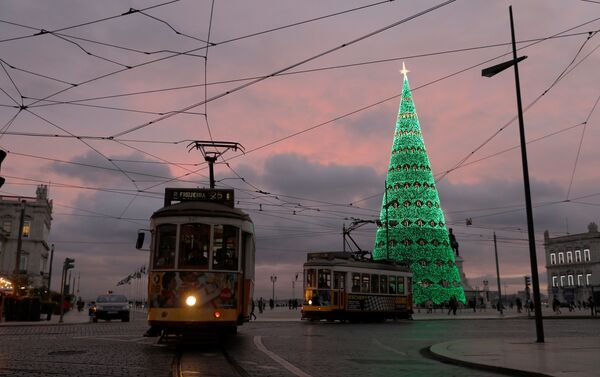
[438, 355]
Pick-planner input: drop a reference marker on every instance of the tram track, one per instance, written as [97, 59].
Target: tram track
[206, 362]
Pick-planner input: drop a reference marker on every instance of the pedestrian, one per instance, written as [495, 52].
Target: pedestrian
[519, 305]
[429, 306]
[591, 304]
[252, 311]
[556, 306]
[452, 306]
[261, 305]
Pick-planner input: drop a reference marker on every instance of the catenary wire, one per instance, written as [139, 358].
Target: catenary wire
[314, 57]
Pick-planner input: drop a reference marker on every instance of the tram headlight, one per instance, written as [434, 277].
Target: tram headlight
[190, 300]
[309, 302]
[217, 314]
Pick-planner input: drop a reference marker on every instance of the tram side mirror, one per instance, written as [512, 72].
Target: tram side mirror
[140, 240]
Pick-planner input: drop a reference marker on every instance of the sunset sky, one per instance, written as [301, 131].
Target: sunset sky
[99, 100]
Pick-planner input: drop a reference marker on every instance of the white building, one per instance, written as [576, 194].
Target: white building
[35, 215]
[573, 264]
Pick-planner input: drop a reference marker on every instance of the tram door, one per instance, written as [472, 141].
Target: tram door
[339, 289]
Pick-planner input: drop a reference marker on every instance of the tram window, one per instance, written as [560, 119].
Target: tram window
[365, 283]
[355, 282]
[339, 280]
[324, 278]
[164, 256]
[392, 281]
[383, 288]
[409, 284]
[311, 277]
[194, 241]
[225, 247]
[374, 283]
[400, 285]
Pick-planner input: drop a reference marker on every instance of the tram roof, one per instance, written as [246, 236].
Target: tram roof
[207, 209]
[346, 259]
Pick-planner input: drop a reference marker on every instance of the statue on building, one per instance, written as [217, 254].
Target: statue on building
[41, 192]
[593, 227]
[453, 242]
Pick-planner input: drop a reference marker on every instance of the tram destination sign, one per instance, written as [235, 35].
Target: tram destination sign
[221, 196]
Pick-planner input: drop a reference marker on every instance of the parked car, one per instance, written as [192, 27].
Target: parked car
[109, 307]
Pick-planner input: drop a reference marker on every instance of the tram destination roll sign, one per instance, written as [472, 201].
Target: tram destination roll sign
[221, 196]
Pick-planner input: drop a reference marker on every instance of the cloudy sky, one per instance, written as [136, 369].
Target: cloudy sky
[99, 100]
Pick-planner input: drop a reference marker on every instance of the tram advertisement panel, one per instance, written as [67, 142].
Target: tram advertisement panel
[375, 303]
[212, 289]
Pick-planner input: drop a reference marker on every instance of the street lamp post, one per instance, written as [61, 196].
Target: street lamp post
[273, 280]
[489, 72]
[498, 276]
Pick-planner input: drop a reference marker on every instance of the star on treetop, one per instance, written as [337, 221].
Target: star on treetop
[404, 71]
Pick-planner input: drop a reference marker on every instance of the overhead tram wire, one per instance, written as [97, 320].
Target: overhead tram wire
[14, 84]
[2, 61]
[69, 36]
[158, 177]
[158, 196]
[399, 94]
[86, 144]
[302, 22]
[464, 159]
[175, 54]
[175, 30]
[183, 87]
[579, 147]
[91, 53]
[50, 102]
[243, 86]
[275, 73]
[561, 76]
[42, 31]
[518, 146]
[8, 124]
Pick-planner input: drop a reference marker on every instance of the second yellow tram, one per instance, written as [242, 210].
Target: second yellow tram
[342, 286]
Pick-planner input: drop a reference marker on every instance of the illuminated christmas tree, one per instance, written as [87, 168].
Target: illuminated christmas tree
[413, 228]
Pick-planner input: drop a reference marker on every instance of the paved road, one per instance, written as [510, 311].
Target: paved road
[386, 349]
[103, 349]
[265, 348]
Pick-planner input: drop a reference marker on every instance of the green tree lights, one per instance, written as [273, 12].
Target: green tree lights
[413, 228]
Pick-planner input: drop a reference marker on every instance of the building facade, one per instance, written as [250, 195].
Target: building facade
[573, 265]
[33, 215]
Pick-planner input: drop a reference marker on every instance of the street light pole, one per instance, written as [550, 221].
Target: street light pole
[273, 280]
[489, 72]
[498, 276]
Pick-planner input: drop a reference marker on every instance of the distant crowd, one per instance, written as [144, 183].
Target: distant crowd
[261, 303]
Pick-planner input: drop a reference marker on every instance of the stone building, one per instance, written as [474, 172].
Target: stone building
[573, 265]
[35, 215]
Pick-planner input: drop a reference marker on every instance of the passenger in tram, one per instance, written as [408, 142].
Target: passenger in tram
[197, 258]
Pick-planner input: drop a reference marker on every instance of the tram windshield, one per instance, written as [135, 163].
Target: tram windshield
[165, 241]
[225, 248]
[324, 278]
[194, 243]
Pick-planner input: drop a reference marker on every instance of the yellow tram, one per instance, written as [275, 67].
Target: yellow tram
[346, 287]
[202, 255]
